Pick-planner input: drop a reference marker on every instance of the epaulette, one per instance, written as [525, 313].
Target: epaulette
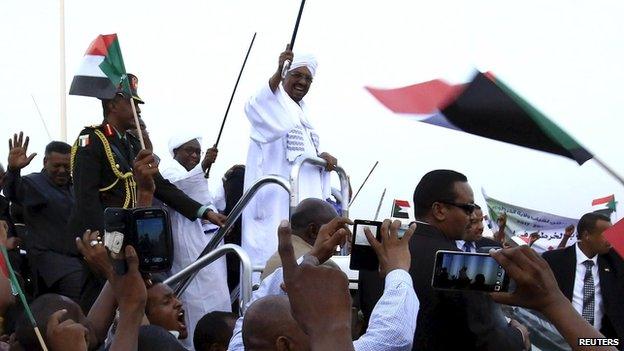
[105, 128]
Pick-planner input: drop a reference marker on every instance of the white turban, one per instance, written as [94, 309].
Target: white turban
[182, 138]
[304, 60]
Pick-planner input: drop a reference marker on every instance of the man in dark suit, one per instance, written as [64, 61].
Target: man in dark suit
[447, 320]
[47, 198]
[591, 275]
[473, 240]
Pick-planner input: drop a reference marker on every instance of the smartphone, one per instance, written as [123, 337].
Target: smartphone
[363, 257]
[457, 270]
[148, 230]
[154, 244]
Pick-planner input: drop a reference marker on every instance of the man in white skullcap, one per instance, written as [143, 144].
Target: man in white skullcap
[208, 291]
[280, 132]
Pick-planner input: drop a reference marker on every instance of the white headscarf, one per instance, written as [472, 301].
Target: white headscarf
[304, 60]
[182, 138]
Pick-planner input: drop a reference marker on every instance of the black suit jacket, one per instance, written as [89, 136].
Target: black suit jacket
[446, 320]
[611, 274]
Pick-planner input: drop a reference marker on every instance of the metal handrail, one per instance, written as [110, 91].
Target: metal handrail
[245, 262]
[231, 219]
[293, 190]
[319, 162]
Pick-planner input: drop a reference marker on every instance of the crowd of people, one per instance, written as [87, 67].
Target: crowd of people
[84, 294]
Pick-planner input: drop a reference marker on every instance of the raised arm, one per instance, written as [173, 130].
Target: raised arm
[502, 223]
[393, 321]
[537, 289]
[276, 78]
[18, 159]
[566, 236]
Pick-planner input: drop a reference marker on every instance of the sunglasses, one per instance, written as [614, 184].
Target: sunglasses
[468, 208]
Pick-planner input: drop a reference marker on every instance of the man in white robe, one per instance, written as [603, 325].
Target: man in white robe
[208, 291]
[280, 132]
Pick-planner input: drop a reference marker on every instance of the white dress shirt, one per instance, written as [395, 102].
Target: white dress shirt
[460, 245]
[392, 323]
[577, 295]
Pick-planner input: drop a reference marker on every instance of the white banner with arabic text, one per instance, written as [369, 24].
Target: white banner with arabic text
[521, 222]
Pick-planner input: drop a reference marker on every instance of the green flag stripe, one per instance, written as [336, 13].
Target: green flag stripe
[114, 68]
[545, 124]
[16, 287]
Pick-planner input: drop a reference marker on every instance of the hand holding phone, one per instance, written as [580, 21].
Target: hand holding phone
[393, 250]
[147, 229]
[95, 254]
[363, 256]
[380, 246]
[458, 270]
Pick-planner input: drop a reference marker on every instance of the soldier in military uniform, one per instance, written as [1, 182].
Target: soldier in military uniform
[102, 159]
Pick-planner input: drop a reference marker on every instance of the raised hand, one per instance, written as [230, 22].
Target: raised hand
[94, 252]
[536, 285]
[210, 158]
[145, 168]
[392, 252]
[328, 319]
[502, 220]
[276, 78]
[68, 335]
[286, 55]
[537, 289]
[569, 230]
[329, 236]
[18, 147]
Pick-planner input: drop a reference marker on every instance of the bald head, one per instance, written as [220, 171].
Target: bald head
[269, 325]
[308, 217]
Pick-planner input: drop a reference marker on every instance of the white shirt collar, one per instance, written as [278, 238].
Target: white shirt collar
[580, 256]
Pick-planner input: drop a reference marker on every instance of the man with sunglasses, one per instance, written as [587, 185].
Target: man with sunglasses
[281, 131]
[447, 320]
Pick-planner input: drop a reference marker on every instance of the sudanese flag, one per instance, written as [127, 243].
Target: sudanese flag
[102, 73]
[485, 107]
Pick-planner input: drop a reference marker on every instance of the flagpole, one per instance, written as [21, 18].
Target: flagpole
[364, 182]
[609, 169]
[62, 87]
[380, 202]
[286, 66]
[17, 290]
[231, 98]
[136, 122]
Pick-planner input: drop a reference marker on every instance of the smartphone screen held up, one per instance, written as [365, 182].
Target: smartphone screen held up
[457, 270]
[363, 256]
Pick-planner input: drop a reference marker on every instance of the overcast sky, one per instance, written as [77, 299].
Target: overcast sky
[564, 56]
